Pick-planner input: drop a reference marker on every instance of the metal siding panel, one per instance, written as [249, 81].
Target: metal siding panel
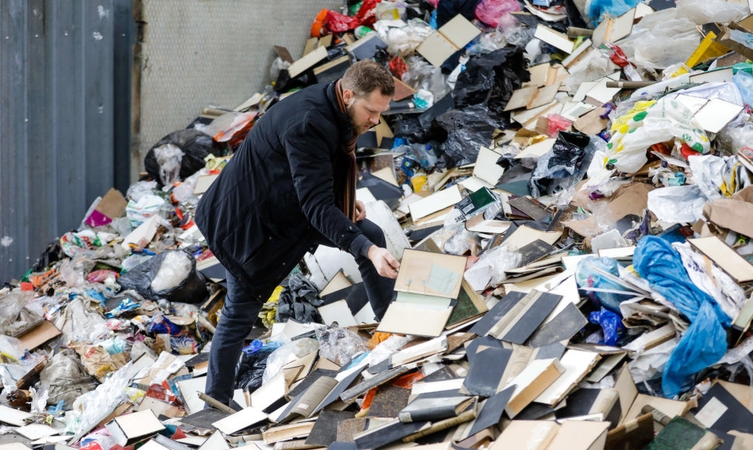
[67, 140]
[123, 36]
[98, 103]
[12, 124]
[40, 186]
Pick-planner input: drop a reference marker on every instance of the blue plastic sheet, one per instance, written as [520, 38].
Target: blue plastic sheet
[613, 8]
[744, 82]
[705, 341]
[611, 325]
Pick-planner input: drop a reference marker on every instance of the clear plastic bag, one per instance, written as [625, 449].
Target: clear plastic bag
[277, 65]
[140, 189]
[677, 204]
[677, 34]
[65, 379]
[287, 353]
[14, 316]
[490, 269]
[339, 345]
[404, 39]
[588, 276]
[169, 158]
[707, 11]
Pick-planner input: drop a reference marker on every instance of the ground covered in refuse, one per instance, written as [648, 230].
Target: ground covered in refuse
[567, 186]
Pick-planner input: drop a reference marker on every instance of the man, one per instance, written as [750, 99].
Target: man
[288, 188]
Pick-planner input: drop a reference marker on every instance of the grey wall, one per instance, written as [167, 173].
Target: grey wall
[199, 53]
[57, 118]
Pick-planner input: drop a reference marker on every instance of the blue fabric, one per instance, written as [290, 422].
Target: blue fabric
[705, 341]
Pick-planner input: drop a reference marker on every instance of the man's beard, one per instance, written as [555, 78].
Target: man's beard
[358, 129]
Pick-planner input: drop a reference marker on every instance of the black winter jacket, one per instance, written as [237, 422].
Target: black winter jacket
[279, 191]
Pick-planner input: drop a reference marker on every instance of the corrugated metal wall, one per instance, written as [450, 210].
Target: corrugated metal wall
[58, 116]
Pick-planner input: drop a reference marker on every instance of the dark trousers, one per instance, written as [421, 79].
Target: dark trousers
[243, 303]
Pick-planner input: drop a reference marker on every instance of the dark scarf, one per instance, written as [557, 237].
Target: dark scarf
[348, 200]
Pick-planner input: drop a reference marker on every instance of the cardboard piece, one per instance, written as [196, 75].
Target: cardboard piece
[613, 29]
[577, 365]
[430, 274]
[448, 39]
[308, 61]
[554, 38]
[629, 200]
[531, 98]
[725, 257]
[735, 213]
[131, 428]
[39, 335]
[435, 202]
[112, 206]
[240, 420]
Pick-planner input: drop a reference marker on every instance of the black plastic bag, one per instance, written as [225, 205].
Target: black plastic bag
[195, 146]
[563, 162]
[298, 301]
[191, 288]
[250, 371]
[467, 130]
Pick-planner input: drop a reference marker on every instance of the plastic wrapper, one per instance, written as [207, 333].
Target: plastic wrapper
[706, 11]
[734, 138]
[11, 349]
[591, 67]
[490, 269]
[81, 322]
[744, 82]
[456, 240]
[597, 9]
[229, 127]
[677, 34]
[611, 325]
[298, 301]
[422, 75]
[467, 129]
[183, 193]
[14, 316]
[386, 348]
[590, 278]
[390, 10]
[404, 38]
[90, 408]
[178, 155]
[141, 189]
[677, 204]
[65, 379]
[277, 65]
[139, 211]
[564, 165]
[651, 363]
[339, 345]
[705, 340]
[491, 11]
[73, 242]
[718, 177]
[14, 371]
[287, 353]
[648, 124]
[171, 275]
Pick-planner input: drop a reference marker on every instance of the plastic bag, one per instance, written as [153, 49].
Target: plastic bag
[339, 345]
[65, 379]
[677, 34]
[175, 274]
[468, 129]
[718, 177]
[744, 82]
[677, 204]
[298, 301]
[490, 269]
[89, 409]
[141, 189]
[14, 316]
[705, 340]
[147, 206]
[490, 11]
[405, 38]
[565, 163]
[706, 11]
[194, 146]
[593, 66]
[480, 79]
[649, 123]
[287, 353]
[251, 366]
[588, 276]
[611, 325]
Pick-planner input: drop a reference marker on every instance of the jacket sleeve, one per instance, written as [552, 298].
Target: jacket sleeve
[308, 148]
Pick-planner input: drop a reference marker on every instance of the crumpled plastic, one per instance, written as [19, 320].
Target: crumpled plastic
[298, 301]
[171, 274]
[611, 325]
[597, 9]
[744, 82]
[491, 11]
[479, 81]
[288, 353]
[402, 37]
[564, 165]
[14, 315]
[147, 206]
[677, 34]
[587, 276]
[705, 341]
[468, 129]
[490, 269]
[65, 378]
[90, 408]
[178, 155]
[718, 177]
[677, 204]
[649, 123]
[707, 11]
[251, 367]
[339, 345]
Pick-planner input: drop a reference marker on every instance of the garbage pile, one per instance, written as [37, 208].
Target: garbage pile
[568, 188]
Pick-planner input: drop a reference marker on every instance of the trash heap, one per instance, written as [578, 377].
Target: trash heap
[568, 188]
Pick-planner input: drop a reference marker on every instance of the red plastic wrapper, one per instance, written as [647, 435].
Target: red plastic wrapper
[398, 66]
[556, 124]
[340, 23]
[618, 57]
[163, 393]
[490, 11]
[99, 276]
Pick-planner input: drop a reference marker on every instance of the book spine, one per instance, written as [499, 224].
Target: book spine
[467, 416]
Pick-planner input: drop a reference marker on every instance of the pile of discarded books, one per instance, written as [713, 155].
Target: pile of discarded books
[567, 186]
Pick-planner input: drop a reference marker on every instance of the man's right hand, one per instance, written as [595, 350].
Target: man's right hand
[386, 265]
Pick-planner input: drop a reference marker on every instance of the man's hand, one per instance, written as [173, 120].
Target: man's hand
[360, 211]
[386, 265]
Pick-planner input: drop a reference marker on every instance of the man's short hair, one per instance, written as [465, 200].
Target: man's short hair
[366, 76]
